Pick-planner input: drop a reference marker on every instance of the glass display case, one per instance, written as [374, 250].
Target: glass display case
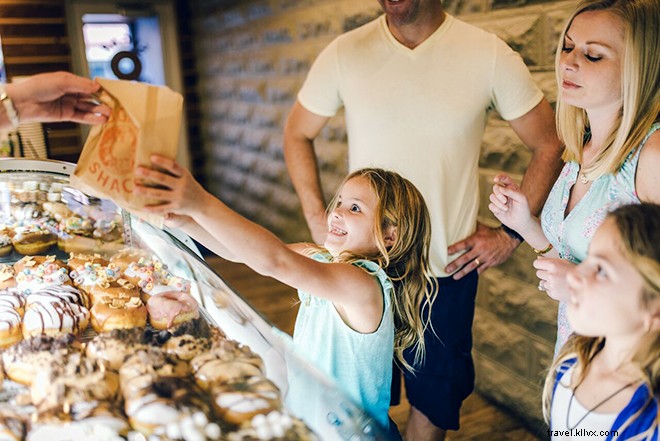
[37, 193]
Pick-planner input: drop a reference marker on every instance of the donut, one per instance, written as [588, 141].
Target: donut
[118, 313]
[186, 347]
[12, 298]
[56, 209]
[226, 362]
[108, 231]
[61, 293]
[241, 400]
[7, 279]
[33, 240]
[77, 381]
[171, 308]
[5, 245]
[34, 273]
[54, 318]
[109, 427]
[92, 274]
[24, 360]
[114, 346]
[78, 260]
[76, 226]
[10, 326]
[119, 289]
[127, 255]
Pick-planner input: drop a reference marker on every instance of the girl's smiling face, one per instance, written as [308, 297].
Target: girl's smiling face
[606, 289]
[351, 222]
[591, 61]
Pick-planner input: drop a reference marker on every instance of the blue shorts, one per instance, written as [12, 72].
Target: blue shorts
[439, 386]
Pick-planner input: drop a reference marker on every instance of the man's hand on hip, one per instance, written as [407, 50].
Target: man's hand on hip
[485, 248]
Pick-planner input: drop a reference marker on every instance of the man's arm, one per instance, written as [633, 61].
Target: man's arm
[301, 128]
[488, 247]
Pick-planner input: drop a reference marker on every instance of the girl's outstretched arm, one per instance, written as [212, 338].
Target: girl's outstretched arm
[179, 193]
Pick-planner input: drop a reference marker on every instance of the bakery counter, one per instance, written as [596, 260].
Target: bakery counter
[113, 329]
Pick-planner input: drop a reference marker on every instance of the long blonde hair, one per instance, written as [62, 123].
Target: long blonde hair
[406, 262]
[640, 86]
[639, 231]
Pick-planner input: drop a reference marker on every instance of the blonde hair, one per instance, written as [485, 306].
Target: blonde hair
[406, 262]
[639, 235]
[640, 86]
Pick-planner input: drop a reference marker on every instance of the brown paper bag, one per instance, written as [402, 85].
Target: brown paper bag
[145, 120]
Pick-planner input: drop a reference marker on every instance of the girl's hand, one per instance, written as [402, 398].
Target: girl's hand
[509, 204]
[552, 273]
[171, 184]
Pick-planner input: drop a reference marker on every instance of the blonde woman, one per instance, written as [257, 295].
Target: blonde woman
[378, 232]
[605, 382]
[608, 107]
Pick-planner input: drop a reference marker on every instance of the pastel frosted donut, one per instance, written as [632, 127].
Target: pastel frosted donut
[24, 360]
[118, 313]
[62, 293]
[92, 274]
[35, 273]
[58, 210]
[54, 318]
[77, 226]
[171, 308]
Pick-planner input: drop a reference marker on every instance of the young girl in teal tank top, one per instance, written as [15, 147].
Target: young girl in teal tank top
[378, 232]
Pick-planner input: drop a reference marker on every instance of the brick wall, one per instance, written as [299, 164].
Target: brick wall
[252, 57]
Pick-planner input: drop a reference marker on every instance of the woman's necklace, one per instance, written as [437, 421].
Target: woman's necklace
[584, 179]
[568, 412]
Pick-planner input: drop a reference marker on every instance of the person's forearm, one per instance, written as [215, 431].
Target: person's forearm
[197, 232]
[533, 235]
[541, 174]
[240, 238]
[303, 169]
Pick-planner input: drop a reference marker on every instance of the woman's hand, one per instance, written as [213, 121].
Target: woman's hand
[170, 184]
[552, 273]
[509, 204]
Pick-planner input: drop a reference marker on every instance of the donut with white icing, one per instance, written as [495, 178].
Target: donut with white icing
[54, 318]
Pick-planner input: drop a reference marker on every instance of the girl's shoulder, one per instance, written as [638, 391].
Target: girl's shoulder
[374, 269]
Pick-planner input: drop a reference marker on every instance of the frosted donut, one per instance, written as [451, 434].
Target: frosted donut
[187, 347]
[10, 326]
[76, 226]
[62, 293]
[78, 260]
[76, 381]
[124, 257]
[54, 318]
[36, 273]
[58, 210]
[171, 308]
[103, 428]
[118, 313]
[12, 298]
[92, 274]
[113, 347]
[240, 401]
[33, 240]
[7, 276]
[119, 289]
[25, 359]
[5, 245]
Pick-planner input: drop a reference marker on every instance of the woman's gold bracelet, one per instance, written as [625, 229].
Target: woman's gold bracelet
[544, 251]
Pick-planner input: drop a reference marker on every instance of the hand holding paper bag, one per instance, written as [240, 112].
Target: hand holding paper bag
[145, 120]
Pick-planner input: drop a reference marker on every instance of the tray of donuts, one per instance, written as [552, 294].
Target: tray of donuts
[116, 348]
[42, 215]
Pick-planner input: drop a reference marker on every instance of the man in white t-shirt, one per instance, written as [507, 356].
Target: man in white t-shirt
[416, 85]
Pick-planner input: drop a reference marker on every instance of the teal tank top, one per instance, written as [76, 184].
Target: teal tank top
[361, 364]
[571, 235]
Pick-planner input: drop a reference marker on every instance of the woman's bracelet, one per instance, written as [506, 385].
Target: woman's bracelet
[544, 251]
